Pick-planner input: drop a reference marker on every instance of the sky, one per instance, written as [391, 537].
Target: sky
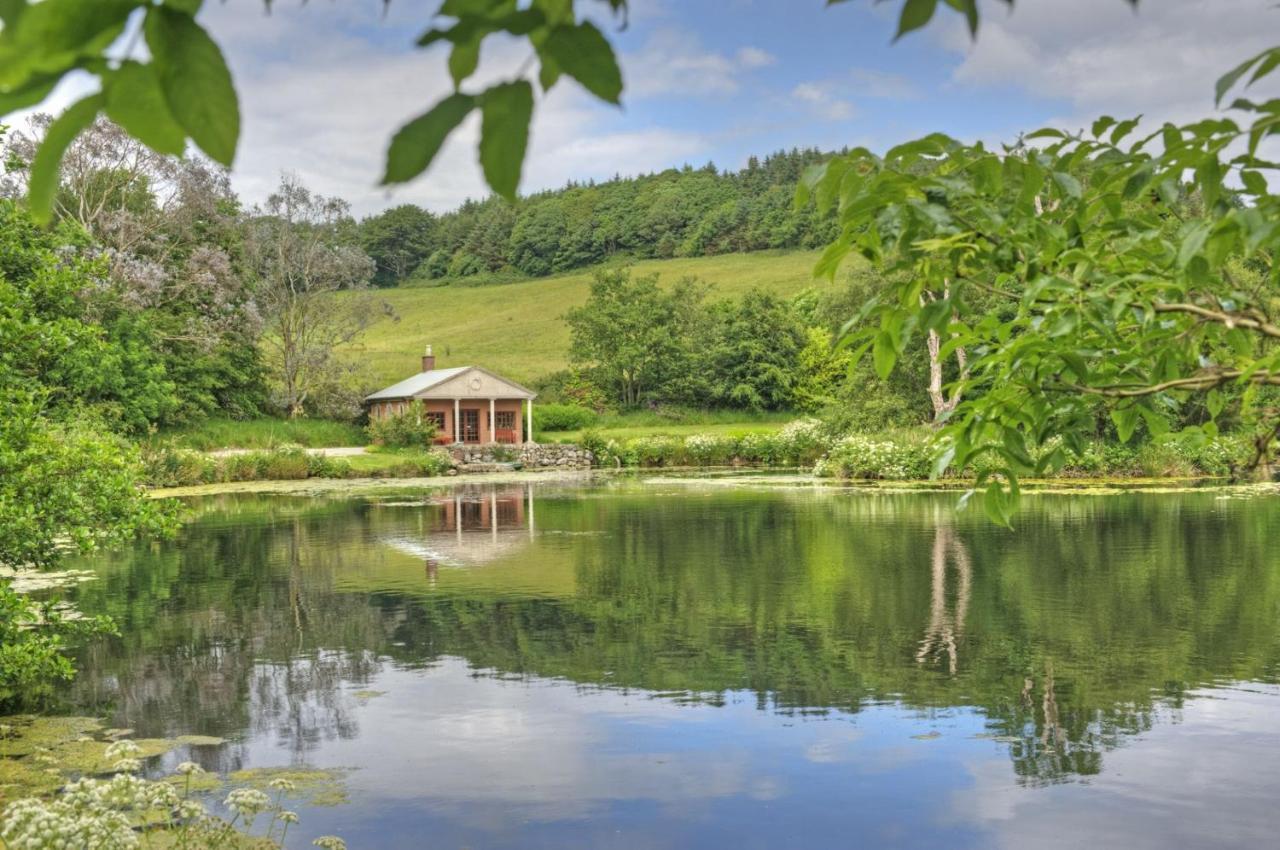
[324, 84]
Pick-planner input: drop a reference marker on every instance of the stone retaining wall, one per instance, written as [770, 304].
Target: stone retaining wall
[529, 456]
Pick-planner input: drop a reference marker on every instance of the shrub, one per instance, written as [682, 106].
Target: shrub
[406, 430]
[858, 456]
[800, 442]
[760, 448]
[710, 449]
[562, 417]
[287, 463]
[167, 467]
[425, 464]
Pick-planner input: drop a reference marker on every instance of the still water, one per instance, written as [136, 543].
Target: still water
[649, 666]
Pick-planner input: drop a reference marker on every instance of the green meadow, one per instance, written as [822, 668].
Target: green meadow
[518, 329]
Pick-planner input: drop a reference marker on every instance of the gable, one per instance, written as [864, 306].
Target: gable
[474, 382]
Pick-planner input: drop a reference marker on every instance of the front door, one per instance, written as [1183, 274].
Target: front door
[470, 426]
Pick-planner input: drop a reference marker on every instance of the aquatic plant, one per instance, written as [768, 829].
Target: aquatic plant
[125, 811]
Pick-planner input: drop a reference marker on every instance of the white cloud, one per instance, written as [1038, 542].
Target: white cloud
[755, 57]
[820, 99]
[676, 62]
[868, 82]
[1102, 56]
[323, 88]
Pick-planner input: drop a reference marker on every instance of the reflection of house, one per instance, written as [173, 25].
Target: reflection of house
[467, 403]
[467, 528]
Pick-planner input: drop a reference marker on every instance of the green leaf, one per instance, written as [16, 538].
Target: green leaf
[188, 6]
[915, 14]
[994, 504]
[30, 93]
[969, 8]
[195, 80]
[43, 183]
[506, 110]
[1069, 185]
[1254, 182]
[884, 354]
[1126, 421]
[136, 103]
[415, 144]
[1192, 241]
[1100, 126]
[582, 52]
[49, 36]
[463, 60]
[1229, 79]
[1214, 402]
[548, 72]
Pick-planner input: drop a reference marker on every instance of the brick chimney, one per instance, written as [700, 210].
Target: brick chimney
[428, 360]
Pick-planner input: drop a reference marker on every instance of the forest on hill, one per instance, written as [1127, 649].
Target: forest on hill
[685, 212]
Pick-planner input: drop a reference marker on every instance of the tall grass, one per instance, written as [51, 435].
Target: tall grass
[265, 433]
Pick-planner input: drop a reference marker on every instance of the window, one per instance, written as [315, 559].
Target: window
[436, 418]
[505, 420]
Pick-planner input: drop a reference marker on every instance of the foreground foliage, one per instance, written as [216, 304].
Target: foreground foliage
[125, 811]
[1133, 278]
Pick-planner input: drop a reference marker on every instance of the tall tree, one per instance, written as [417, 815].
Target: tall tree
[632, 333]
[312, 288]
[398, 240]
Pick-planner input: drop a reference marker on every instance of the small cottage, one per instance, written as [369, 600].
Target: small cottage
[469, 404]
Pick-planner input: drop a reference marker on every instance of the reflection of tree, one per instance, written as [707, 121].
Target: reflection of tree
[209, 648]
[946, 624]
[268, 611]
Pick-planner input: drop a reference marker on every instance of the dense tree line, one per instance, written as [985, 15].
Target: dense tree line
[687, 212]
[635, 343]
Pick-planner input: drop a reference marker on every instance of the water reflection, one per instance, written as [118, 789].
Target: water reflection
[659, 665]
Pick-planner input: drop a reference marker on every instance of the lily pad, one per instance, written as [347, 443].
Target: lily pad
[200, 740]
[314, 787]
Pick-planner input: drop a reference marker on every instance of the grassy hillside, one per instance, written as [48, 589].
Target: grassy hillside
[518, 329]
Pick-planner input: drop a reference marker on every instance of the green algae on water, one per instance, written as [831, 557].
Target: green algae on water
[313, 787]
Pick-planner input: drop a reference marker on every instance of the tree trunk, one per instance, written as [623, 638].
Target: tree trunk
[942, 406]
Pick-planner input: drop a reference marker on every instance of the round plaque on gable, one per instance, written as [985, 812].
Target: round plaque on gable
[476, 383]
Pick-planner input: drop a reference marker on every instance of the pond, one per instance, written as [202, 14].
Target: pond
[648, 665]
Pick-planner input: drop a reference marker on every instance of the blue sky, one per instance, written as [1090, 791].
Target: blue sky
[324, 85]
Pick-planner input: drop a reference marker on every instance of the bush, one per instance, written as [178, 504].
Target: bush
[287, 463]
[562, 417]
[407, 430]
[858, 456]
[426, 464]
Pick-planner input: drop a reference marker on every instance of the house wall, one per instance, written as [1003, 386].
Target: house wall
[383, 409]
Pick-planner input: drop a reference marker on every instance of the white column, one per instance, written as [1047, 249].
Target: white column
[528, 431]
[457, 426]
[530, 511]
[492, 437]
[457, 517]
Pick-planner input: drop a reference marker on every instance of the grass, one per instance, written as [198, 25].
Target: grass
[518, 329]
[264, 433]
[625, 426]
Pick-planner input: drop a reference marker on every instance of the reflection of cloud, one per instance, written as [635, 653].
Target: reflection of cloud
[544, 751]
[1195, 783]
[835, 748]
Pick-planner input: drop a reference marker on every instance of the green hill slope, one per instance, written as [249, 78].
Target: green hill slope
[518, 329]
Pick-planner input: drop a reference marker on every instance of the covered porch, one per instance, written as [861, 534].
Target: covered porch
[469, 405]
